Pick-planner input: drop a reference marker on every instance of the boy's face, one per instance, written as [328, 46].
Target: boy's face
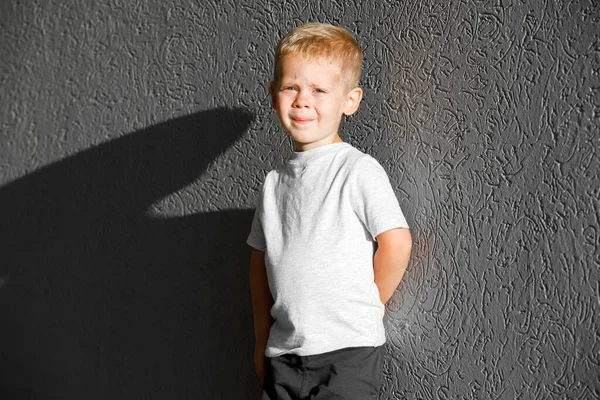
[310, 100]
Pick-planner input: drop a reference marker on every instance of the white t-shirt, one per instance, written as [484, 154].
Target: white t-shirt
[316, 219]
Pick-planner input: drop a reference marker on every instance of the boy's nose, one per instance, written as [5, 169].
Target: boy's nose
[301, 100]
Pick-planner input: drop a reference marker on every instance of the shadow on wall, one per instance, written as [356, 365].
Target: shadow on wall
[100, 300]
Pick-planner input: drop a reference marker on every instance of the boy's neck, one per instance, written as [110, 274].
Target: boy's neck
[299, 147]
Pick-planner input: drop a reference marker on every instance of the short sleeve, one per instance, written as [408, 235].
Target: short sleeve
[373, 198]
[256, 238]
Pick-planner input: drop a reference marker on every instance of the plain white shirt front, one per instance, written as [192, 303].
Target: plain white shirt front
[317, 218]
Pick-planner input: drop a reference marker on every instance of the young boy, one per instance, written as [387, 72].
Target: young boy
[318, 290]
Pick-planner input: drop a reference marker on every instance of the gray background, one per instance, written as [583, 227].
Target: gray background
[135, 136]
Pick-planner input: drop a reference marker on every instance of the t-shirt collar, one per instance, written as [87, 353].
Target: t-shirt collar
[303, 157]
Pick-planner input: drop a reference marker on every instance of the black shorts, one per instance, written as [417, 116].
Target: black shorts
[348, 374]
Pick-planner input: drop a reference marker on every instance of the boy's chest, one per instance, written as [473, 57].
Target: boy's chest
[310, 191]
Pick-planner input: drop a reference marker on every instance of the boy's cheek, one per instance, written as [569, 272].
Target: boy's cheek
[275, 102]
[282, 103]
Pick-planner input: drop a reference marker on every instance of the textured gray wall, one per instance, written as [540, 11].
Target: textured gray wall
[135, 135]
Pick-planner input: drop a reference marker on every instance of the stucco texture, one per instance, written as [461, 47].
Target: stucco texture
[134, 137]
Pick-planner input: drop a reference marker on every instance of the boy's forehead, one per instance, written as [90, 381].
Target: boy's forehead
[326, 72]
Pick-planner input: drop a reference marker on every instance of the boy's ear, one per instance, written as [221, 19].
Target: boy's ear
[273, 95]
[353, 101]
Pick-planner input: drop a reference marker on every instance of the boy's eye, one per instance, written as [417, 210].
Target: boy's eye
[289, 88]
[319, 91]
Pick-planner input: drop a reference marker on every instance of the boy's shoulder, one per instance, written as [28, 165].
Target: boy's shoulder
[361, 170]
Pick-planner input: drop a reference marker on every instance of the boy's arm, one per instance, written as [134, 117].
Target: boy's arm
[262, 301]
[390, 260]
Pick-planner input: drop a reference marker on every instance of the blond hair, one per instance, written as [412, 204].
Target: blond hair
[315, 40]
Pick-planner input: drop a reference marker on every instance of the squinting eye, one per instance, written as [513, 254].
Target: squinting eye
[289, 88]
[319, 91]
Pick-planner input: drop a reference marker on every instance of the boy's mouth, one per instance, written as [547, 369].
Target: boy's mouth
[301, 120]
